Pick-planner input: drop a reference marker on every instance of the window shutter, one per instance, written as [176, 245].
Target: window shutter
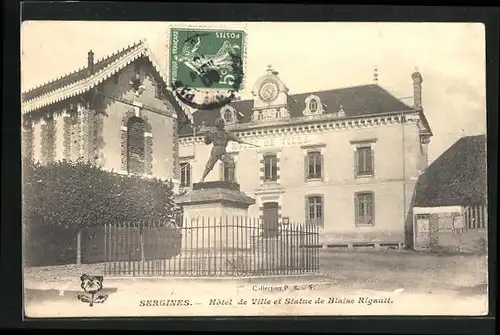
[233, 176]
[306, 207]
[274, 168]
[373, 160]
[322, 156]
[306, 167]
[356, 207]
[355, 164]
[372, 196]
[322, 218]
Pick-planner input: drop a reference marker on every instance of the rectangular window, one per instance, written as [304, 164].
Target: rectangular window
[314, 210]
[185, 168]
[364, 161]
[270, 168]
[364, 204]
[314, 165]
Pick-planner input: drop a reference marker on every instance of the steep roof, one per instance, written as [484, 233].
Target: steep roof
[81, 81]
[356, 101]
[457, 177]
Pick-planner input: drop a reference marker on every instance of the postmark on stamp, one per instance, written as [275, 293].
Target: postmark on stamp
[205, 65]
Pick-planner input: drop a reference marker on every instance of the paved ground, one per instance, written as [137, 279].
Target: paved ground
[355, 283]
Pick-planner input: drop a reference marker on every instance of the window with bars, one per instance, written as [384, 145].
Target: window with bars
[314, 210]
[363, 161]
[185, 168]
[135, 145]
[270, 168]
[364, 209]
[314, 165]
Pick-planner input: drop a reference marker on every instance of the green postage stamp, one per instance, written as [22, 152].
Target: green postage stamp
[206, 59]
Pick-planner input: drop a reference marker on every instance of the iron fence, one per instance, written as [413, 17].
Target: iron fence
[237, 246]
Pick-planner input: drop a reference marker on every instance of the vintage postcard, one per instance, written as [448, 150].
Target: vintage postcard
[253, 169]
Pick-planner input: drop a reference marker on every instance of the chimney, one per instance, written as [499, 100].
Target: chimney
[90, 63]
[417, 89]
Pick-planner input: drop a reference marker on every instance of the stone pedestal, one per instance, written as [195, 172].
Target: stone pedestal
[215, 216]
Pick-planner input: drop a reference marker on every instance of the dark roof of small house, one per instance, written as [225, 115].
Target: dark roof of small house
[76, 75]
[457, 177]
[356, 101]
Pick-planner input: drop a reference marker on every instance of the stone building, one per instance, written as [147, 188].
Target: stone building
[346, 160]
[114, 112]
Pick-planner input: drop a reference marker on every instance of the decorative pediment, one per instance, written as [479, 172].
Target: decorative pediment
[270, 77]
[314, 106]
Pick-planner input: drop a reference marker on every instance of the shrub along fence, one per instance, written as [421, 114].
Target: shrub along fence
[66, 206]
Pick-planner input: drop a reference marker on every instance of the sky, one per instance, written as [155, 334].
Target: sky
[308, 56]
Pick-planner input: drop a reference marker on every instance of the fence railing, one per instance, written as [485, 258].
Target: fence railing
[237, 246]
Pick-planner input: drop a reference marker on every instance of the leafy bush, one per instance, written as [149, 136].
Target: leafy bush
[76, 195]
[81, 194]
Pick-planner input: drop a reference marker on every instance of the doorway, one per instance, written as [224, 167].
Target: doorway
[422, 232]
[270, 219]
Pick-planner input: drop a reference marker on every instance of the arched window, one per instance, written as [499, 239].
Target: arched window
[313, 106]
[135, 145]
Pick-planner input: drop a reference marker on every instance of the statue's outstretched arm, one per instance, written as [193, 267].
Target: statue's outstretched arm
[233, 137]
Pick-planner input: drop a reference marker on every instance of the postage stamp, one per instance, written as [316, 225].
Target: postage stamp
[206, 65]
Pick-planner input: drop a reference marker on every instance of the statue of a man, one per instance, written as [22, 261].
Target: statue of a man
[220, 137]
